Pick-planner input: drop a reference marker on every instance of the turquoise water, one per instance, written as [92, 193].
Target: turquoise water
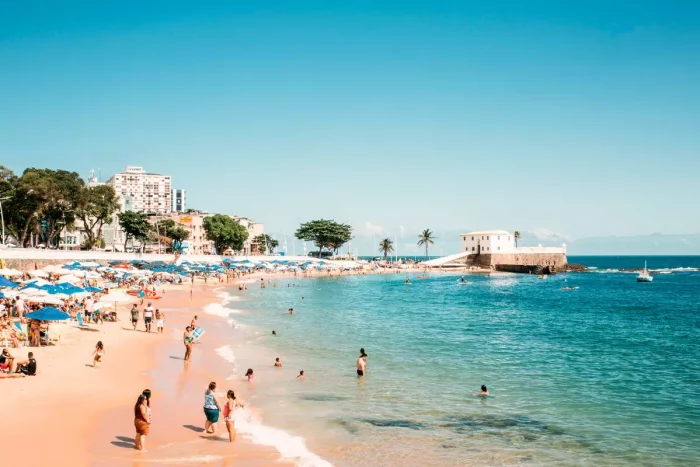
[608, 374]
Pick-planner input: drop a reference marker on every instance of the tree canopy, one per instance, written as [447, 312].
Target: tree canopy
[325, 234]
[171, 233]
[425, 239]
[95, 207]
[39, 202]
[225, 233]
[135, 226]
[265, 243]
[386, 246]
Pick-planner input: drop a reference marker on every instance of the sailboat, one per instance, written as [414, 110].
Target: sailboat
[644, 276]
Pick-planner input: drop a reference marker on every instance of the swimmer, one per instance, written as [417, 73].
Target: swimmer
[408, 281]
[278, 364]
[301, 374]
[274, 333]
[362, 363]
[249, 375]
[290, 311]
[484, 391]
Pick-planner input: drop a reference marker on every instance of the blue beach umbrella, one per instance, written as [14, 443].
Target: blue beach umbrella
[4, 282]
[48, 314]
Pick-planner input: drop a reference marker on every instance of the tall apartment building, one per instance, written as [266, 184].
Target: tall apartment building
[177, 201]
[140, 191]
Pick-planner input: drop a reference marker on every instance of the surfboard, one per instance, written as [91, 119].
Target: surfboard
[197, 333]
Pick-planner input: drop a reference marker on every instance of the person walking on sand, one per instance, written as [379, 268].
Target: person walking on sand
[134, 315]
[148, 316]
[160, 319]
[230, 414]
[141, 422]
[211, 409]
[142, 295]
[97, 354]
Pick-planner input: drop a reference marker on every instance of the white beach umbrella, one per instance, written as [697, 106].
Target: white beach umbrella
[90, 264]
[38, 282]
[69, 278]
[47, 300]
[38, 273]
[10, 272]
[34, 292]
[92, 275]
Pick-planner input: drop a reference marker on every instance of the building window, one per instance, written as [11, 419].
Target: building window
[482, 237]
[472, 248]
[499, 237]
[472, 239]
[499, 247]
[487, 237]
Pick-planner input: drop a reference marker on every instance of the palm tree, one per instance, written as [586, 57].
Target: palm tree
[516, 236]
[424, 239]
[386, 246]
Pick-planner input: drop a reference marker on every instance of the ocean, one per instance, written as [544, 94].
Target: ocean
[605, 374]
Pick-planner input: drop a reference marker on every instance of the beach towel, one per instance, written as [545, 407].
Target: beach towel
[80, 320]
[197, 333]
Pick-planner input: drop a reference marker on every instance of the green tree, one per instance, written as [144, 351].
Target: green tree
[43, 202]
[95, 207]
[325, 234]
[135, 226]
[386, 246]
[424, 239]
[225, 233]
[516, 236]
[266, 243]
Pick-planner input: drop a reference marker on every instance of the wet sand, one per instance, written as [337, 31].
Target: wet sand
[72, 414]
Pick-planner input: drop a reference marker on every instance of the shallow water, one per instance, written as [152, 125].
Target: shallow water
[607, 374]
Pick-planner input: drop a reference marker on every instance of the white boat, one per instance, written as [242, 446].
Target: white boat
[644, 276]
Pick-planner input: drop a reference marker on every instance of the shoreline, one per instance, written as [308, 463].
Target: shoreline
[81, 398]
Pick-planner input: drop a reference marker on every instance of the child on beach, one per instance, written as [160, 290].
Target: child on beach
[97, 354]
[301, 374]
[160, 317]
[278, 364]
[187, 339]
[249, 375]
[230, 414]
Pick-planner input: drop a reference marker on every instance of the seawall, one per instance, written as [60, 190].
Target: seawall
[523, 262]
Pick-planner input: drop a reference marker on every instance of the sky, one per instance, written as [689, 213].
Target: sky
[577, 119]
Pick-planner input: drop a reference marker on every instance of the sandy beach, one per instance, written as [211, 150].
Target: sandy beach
[83, 416]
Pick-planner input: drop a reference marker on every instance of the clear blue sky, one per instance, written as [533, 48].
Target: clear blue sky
[577, 117]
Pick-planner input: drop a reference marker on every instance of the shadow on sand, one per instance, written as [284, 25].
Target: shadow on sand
[124, 442]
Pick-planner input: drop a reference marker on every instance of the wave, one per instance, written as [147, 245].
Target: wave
[201, 459]
[670, 270]
[226, 352]
[217, 309]
[289, 446]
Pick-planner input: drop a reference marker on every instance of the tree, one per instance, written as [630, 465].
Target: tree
[135, 225]
[325, 234]
[424, 239]
[43, 202]
[225, 233]
[516, 236]
[266, 243]
[386, 246]
[95, 207]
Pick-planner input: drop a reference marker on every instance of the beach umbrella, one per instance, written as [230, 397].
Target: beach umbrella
[4, 282]
[48, 314]
[46, 300]
[69, 278]
[10, 272]
[38, 273]
[89, 264]
[94, 289]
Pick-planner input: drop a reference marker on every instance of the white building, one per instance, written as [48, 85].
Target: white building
[140, 191]
[488, 242]
[254, 229]
[177, 201]
[196, 243]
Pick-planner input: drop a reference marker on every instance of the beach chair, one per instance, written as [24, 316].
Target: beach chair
[24, 336]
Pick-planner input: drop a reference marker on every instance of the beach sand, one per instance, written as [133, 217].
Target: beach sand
[72, 414]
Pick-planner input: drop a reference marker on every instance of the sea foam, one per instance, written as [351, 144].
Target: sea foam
[226, 352]
[289, 446]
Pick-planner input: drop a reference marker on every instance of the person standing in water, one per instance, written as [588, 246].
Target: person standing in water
[278, 364]
[484, 391]
[249, 375]
[211, 409]
[187, 339]
[362, 363]
[230, 414]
